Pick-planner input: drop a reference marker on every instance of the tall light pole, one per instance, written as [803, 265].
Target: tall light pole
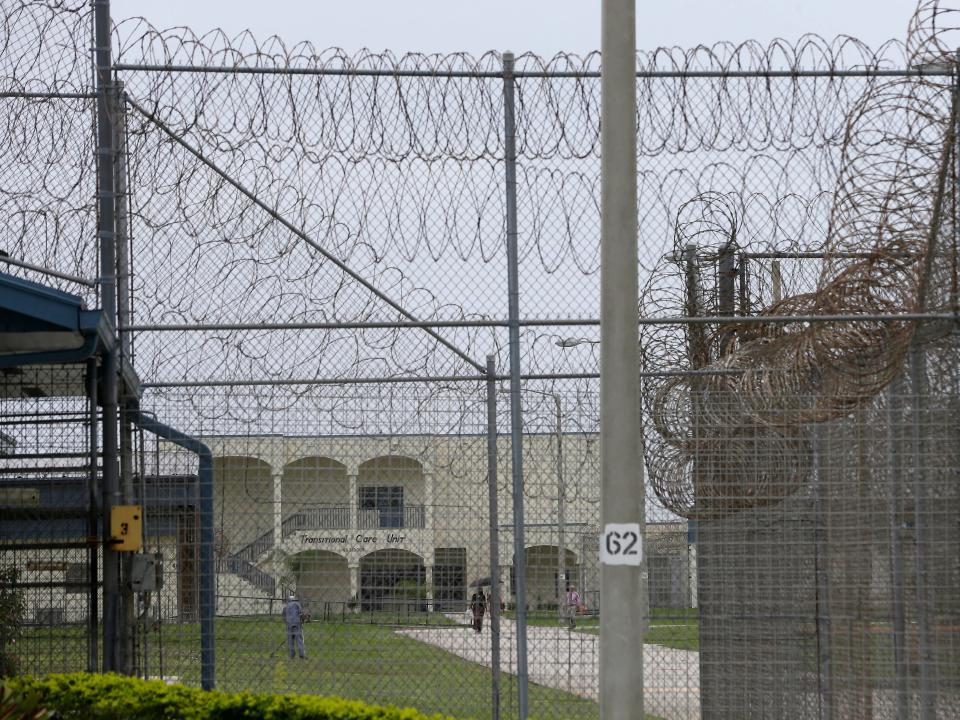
[561, 495]
[561, 538]
[622, 598]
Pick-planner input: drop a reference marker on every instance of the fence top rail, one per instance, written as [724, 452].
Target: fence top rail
[542, 322]
[534, 74]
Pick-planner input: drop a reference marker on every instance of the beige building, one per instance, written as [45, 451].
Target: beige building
[381, 522]
[392, 523]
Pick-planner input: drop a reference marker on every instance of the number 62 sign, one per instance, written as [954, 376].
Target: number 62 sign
[621, 544]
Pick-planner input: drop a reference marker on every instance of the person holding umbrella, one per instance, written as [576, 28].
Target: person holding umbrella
[478, 605]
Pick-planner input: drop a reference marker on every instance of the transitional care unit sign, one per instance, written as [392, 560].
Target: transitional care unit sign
[621, 544]
[358, 539]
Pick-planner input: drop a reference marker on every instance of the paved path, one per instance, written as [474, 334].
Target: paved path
[559, 658]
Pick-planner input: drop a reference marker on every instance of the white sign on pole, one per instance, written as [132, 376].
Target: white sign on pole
[621, 544]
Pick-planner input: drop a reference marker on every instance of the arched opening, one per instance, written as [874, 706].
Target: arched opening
[315, 495]
[393, 580]
[323, 581]
[243, 502]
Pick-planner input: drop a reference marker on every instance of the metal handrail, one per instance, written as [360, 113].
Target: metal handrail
[413, 516]
[336, 517]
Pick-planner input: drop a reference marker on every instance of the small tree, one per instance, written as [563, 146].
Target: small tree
[13, 608]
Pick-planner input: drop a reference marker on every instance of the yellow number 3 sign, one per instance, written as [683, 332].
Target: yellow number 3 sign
[126, 527]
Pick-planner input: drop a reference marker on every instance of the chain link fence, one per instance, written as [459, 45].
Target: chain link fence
[313, 359]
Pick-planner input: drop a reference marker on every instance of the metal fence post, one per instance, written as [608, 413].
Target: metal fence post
[918, 369]
[622, 594]
[494, 537]
[93, 643]
[516, 421]
[822, 572]
[106, 235]
[561, 514]
[895, 514]
[128, 629]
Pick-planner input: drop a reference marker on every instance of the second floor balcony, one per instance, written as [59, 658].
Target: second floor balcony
[337, 517]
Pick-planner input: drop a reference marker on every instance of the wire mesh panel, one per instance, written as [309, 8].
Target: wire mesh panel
[318, 347]
[359, 564]
[48, 534]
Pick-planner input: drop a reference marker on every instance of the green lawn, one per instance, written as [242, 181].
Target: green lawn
[360, 660]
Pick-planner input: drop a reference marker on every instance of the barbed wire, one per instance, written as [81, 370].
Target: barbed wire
[722, 442]
[264, 179]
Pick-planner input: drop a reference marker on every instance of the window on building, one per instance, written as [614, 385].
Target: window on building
[387, 500]
[77, 576]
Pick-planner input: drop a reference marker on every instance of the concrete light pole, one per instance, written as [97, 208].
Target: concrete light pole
[561, 519]
[561, 495]
[622, 600]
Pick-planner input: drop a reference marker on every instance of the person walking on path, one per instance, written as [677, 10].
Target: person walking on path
[478, 605]
[293, 617]
[571, 605]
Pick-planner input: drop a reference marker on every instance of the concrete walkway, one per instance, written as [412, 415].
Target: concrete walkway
[565, 660]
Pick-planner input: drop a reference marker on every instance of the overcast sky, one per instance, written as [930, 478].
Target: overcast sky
[541, 26]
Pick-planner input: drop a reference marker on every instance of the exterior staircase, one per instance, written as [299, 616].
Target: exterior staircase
[241, 563]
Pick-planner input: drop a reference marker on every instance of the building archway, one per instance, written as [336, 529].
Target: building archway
[393, 579]
[243, 501]
[315, 495]
[323, 581]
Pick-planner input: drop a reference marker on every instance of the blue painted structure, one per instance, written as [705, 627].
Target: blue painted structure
[40, 325]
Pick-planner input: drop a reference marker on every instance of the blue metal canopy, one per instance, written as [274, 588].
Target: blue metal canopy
[40, 325]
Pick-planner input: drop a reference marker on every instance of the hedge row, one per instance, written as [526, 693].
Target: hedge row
[83, 696]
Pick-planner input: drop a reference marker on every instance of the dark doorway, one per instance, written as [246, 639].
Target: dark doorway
[449, 579]
[392, 580]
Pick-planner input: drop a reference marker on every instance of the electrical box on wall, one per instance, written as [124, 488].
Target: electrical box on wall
[144, 573]
[126, 528]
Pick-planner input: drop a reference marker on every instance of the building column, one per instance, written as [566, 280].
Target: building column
[354, 581]
[692, 573]
[428, 499]
[277, 508]
[354, 520]
[428, 582]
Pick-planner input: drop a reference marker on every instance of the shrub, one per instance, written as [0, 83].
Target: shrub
[82, 696]
[18, 706]
[13, 607]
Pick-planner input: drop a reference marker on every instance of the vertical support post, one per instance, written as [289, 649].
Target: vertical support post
[516, 421]
[743, 274]
[955, 195]
[925, 641]
[494, 537]
[128, 629]
[277, 478]
[122, 217]
[623, 595]
[895, 520]
[106, 199]
[354, 500]
[707, 533]
[561, 514]
[822, 571]
[776, 281]
[208, 599]
[726, 291]
[93, 645]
